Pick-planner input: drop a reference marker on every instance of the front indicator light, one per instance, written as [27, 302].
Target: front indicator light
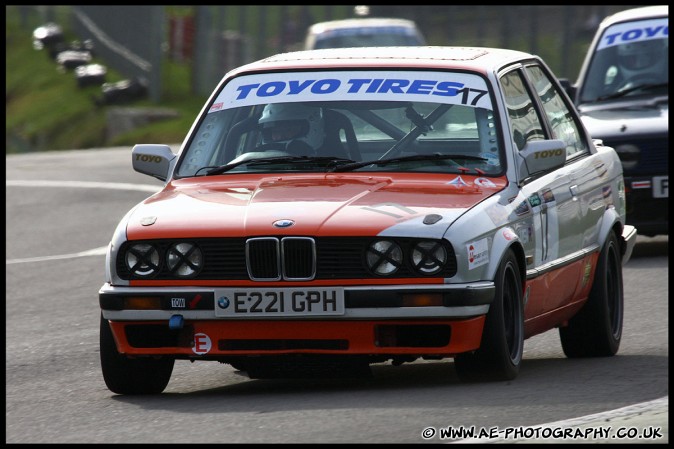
[422, 300]
[142, 303]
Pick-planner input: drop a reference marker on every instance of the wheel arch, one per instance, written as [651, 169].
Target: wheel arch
[504, 239]
[611, 223]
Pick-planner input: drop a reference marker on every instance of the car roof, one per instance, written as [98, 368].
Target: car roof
[628, 15]
[362, 22]
[481, 59]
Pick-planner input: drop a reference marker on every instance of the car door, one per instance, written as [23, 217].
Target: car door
[586, 172]
[550, 210]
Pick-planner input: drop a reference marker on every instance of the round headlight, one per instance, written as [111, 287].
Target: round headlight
[429, 257]
[384, 257]
[142, 259]
[184, 259]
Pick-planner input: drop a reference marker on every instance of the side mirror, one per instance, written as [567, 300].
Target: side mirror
[541, 156]
[153, 160]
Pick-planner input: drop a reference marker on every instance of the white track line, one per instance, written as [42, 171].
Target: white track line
[92, 252]
[82, 185]
[85, 185]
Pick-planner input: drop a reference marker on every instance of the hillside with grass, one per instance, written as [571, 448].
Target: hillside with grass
[46, 110]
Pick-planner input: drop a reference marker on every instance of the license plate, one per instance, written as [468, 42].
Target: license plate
[661, 187]
[279, 302]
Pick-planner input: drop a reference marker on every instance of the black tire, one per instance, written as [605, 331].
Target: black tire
[500, 353]
[124, 375]
[596, 329]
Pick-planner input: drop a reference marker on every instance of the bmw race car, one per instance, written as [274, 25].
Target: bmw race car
[331, 209]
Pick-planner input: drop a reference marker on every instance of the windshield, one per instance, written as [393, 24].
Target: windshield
[441, 122]
[631, 58]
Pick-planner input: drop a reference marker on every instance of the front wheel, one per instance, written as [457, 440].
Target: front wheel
[500, 353]
[124, 375]
[596, 329]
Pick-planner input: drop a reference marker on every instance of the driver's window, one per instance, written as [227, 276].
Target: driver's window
[524, 119]
[560, 117]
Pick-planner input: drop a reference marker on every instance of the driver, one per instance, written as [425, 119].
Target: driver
[643, 58]
[299, 128]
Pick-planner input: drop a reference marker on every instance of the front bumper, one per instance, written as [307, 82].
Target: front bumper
[373, 323]
[648, 204]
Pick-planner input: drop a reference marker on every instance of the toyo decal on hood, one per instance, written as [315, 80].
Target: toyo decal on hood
[318, 204]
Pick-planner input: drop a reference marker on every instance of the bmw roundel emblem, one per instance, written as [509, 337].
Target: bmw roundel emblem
[223, 302]
[283, 223]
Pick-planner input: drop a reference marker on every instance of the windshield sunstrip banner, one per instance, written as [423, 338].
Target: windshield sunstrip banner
[434, 87]
[638, 31]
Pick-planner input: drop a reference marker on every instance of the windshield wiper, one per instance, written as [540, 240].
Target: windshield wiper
[624, 92]
[416, 157]
[276, 159]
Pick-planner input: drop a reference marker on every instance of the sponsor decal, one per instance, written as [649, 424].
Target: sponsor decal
[478, 253]
[547, 153]
[639, 31]
[535, 200]
[439, 87]
[522, 208]
[182, 302]
[548, 196]
[641, 184]
[457, 182]
[509, 234]
[497, 213]
[149, 158]
[195, 301]
[484, 182]
[202, 344]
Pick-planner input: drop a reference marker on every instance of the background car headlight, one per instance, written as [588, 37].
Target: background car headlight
[429, 257]
[142, 259]
[184, 259]
[384, 257]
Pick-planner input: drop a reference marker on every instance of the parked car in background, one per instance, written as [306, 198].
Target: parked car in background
[331, 209]
[363, 32]
[622, 93]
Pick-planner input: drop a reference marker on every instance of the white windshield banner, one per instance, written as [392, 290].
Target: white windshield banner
[434, 87]
[638, 31]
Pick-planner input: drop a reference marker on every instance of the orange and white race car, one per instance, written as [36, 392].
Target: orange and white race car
[335, 208]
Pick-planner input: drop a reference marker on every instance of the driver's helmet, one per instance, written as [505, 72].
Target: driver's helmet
[641, 56]
[284, 122]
